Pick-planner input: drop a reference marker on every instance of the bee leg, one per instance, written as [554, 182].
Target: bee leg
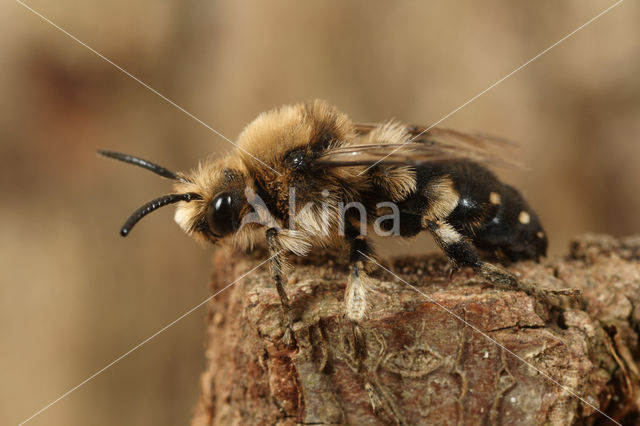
[498, 276]
[355, 298]
[461, 253]
[358, 286]
[452, 270]
[276, 268]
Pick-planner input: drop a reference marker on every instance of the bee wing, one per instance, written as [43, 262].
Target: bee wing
[451, 136]
[411, 153]
[432, 145]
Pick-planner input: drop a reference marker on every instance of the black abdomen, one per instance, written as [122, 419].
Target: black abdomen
[514, 231]
[492, 215]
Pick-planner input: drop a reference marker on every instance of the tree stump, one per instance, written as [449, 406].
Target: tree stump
[449, 351]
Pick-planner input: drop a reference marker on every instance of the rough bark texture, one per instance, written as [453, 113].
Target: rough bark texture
[426, 364]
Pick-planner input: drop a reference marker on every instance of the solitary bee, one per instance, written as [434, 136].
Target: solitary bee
[305, 176]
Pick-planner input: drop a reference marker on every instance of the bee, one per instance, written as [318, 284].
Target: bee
[305, 176]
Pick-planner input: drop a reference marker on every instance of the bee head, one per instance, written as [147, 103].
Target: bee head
[218, 212]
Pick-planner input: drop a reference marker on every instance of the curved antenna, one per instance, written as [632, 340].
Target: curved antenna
[136, 161]
[155, 204]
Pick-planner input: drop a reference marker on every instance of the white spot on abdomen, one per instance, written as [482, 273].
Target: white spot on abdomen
[524, 217]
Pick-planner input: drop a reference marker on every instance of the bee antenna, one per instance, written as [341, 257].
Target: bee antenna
[136, 161]
[155, 204]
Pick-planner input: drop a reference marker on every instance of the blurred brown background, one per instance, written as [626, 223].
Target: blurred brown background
[74, 295]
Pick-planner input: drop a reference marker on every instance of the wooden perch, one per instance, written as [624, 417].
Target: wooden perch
[424, 365]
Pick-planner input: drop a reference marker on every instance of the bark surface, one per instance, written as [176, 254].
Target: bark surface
[447, 351]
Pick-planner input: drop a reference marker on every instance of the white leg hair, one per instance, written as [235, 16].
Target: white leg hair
[355, 297]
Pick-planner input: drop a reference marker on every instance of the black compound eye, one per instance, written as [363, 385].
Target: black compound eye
[221, 215]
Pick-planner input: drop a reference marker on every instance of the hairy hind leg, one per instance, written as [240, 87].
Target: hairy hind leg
[356, 306]
[461, 253]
